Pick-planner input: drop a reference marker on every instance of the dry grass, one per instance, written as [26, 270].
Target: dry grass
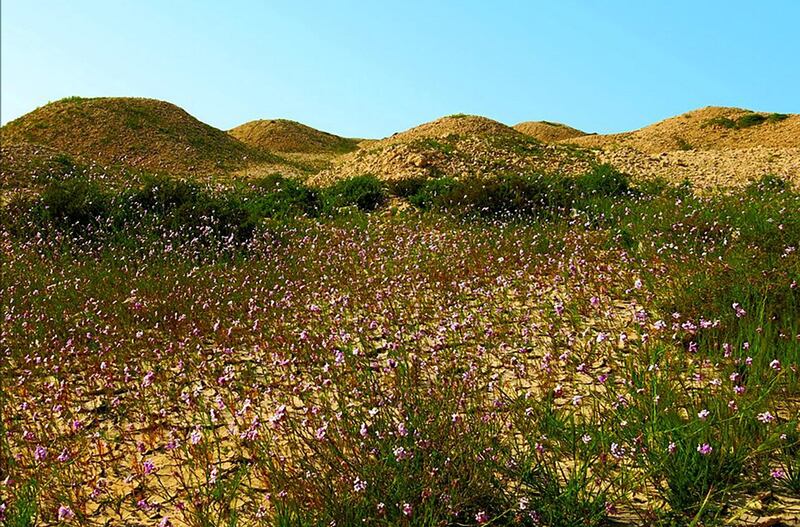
[281, 135]
[132, 132]
[548, 132]
[703, 129]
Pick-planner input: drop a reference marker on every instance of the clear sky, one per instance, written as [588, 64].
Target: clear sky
[368, 69]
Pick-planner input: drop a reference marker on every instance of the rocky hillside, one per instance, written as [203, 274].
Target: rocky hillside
[132, 132]
[713, 147]
[457, 146]
[710, 128]
[548, 132]
[282, 135]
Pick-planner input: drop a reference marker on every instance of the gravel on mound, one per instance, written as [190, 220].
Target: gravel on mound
[453, 125]
[710, 128]
[548, 132]
[133, 132]
[458, 156]
[282, 135]
[708, 169]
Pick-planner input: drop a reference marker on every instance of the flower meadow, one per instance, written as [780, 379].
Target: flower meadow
[626, 355]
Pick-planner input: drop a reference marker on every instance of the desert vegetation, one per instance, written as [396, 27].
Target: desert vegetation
[528, 348]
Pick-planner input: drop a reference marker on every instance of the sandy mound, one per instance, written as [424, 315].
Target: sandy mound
[711, 128]
[132, 132]
[27, 164]
[459, 125]
[456, 146]
[281, 135]
[548, 132]
[708, 169]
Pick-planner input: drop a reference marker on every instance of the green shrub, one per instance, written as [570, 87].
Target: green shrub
[281, 198]
[24, 509]
[768, 183]
[75, 202]
[428, 196]
[750, 119]
[602, 180]
[365, 192]
[683, 144]
[723, 122]
[652, 187]
[406, 187]
[745, 121]
[776, 117]
[161, 194]
[509, 195]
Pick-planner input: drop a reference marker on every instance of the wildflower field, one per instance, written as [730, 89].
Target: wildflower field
[535, 351]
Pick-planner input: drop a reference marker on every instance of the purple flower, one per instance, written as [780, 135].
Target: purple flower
[148, 466]
[40, 454]
[766, 417]
[402, 430]
[195, 436]
[359, 485]
[617, 451]
[407, 509]
[65, 513]
[703, 414]
[400, 453]
[704, 449]
[321, 431]
[482, 517]
[148, 379]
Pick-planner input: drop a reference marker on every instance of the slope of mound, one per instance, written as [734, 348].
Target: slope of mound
[710, 128]
[548, 132]
[26, 164]
[455, 146]
[139, 133]
[708, 170]
[453, 125]
[281, 135]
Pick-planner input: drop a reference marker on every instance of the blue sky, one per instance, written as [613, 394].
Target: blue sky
[369, 69]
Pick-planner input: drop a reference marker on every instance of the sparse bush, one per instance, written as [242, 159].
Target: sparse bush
[750, 119]
[776, 117]
[75, 202]
[652, 187]
[602, 180]
[365, 192]
[282, 198]
[406, 187]
[683, 144]
[769, 183]
[745, 121]
[723, 122]
[510, 195]
[162, 194]
[24, 509]
[429, 195]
